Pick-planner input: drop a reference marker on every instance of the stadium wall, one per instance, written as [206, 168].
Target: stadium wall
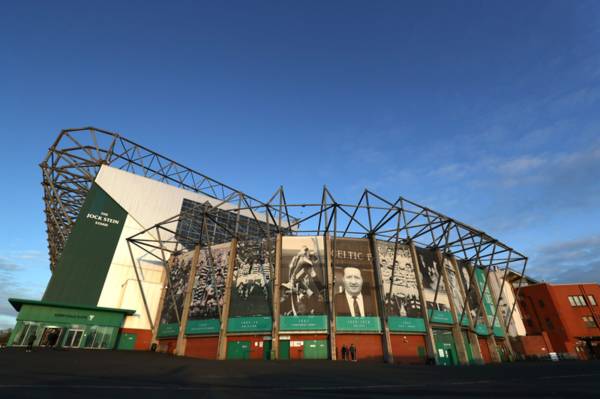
[399, 323]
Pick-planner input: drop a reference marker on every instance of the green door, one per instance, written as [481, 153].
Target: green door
[315, 349]
[127, 341]
[445, 347]
[468, 348]
[238, 350]
[284, 350]
[267, 350]
[422, 353]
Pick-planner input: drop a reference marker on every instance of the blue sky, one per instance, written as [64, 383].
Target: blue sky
[488, 112]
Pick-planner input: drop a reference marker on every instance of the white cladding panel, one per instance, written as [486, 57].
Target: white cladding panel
[147, 203]
[121, 270]
[516, 326]
[132, 299]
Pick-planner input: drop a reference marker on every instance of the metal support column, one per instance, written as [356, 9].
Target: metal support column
[429, 339]
[329, 255]
[181, 339]
[456, 328]
[388, 355]
[475, 349]
[222, 347]
[276, 299]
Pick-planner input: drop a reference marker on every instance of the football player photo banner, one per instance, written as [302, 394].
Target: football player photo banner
[303, 288]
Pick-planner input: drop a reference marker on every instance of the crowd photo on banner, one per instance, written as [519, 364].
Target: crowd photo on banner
[176, 286]
[209, 286]
[434, 289]
[251, 291]
[399, 282]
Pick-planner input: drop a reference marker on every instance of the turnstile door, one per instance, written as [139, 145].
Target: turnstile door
[315, 349]
[127, 341]
[238, 350]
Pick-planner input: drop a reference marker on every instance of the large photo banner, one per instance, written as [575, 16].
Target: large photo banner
[488, 301]
[472, 297]
[434, 291]
[175, 294]
[303, 289]
[354, 286]
[250, 309]
[454, 290]
[399, 282]
[209, 290]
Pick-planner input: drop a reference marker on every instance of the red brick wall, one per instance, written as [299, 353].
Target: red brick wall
[368, 347]
[533, 345]
[561, 321]
[297, 353]
[572, 316]
[485, 350]
[202, 347]
[405, 348]
[143, 339]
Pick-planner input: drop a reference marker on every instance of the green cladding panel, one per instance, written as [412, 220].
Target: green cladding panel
[83, 265]
[303, 323]
[406, 324]
[168, 330]
[487, 299]
[206, 326]
[439, 316]
[357, 324]
[63, 315]
[250, 324]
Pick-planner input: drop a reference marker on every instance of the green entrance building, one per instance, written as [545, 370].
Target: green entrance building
[66, 326]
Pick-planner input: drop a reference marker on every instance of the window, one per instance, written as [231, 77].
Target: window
[529, 323]
[541, 303]
[572, 301]
[592, 300]
[578, 300]
[589, 321]
[27, 330]
[549, 324]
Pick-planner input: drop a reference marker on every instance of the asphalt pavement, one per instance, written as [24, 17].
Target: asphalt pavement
[121, 374]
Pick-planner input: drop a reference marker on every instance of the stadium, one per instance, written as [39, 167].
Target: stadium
[147, 254]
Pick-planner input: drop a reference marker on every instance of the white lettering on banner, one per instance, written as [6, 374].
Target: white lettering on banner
[352, 255]
[102, 219]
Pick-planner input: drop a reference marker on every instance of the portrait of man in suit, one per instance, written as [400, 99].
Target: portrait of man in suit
[353, 301]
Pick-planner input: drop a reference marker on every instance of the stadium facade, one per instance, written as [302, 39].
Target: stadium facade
[146, 253]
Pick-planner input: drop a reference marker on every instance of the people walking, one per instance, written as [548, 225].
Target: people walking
[344, 352]
[30, 342]
[353, 352]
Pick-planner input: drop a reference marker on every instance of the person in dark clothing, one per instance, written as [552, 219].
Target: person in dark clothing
[30, 342]
[353, 352]
[344, 352]
[52, 339]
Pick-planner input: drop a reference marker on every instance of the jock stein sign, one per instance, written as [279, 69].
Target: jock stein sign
[83, 265]
[103, 219]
